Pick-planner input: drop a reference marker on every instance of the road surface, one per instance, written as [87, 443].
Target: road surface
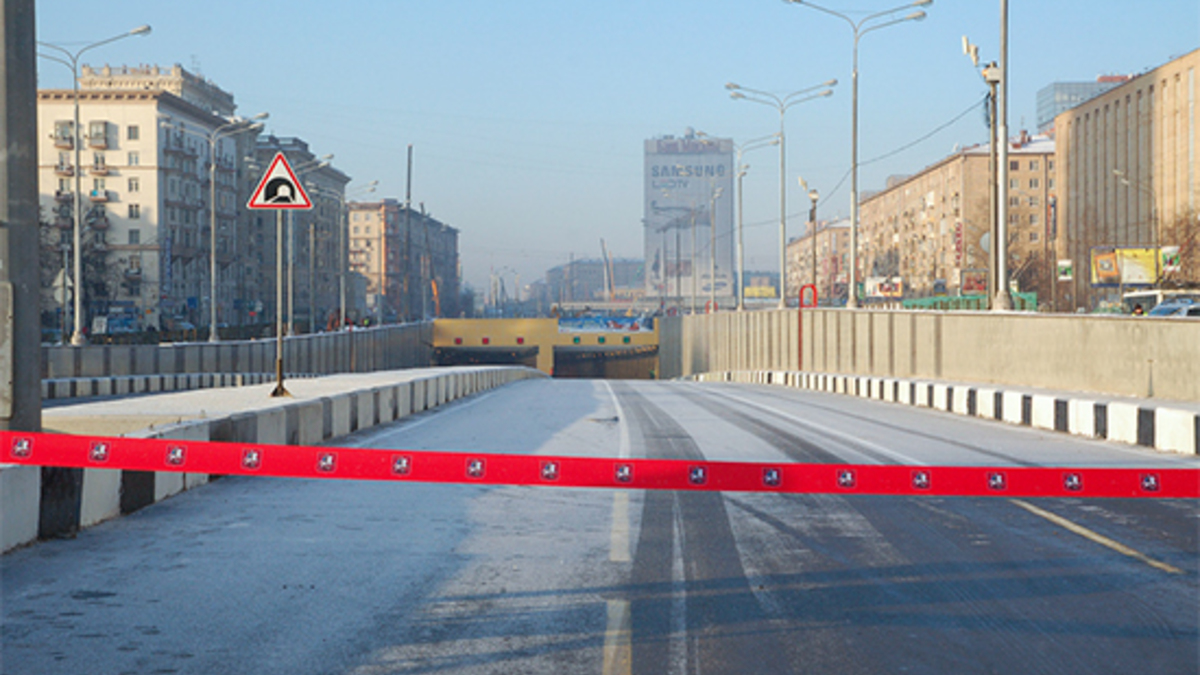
[304, 576]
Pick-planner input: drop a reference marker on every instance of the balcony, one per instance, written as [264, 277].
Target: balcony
[133, 274]
[63, 222]
[98, 141]
[65, 170]
[99, 169]
[99, 223]
[64, 196]
[64, 141]
[98, 196]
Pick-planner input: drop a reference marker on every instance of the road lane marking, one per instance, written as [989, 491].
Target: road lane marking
[619, 547]
[905, 459]
[618, 655]
[1096, 537]
[619, 537]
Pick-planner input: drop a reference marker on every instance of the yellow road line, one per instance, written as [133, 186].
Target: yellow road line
[618, 655]
[1096, 537]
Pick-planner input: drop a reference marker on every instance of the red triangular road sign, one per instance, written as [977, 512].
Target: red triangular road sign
[279, 188]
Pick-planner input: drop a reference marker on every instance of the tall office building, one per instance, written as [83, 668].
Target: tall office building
[1059, 96]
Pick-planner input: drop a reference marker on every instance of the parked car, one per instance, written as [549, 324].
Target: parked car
[1182, 307]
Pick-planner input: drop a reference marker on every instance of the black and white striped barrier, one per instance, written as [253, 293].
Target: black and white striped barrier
[1144, 423]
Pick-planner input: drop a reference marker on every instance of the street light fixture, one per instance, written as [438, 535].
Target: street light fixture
[753, 144]
[860, 28]
[813, 197]
[781, 103]
[71, 60]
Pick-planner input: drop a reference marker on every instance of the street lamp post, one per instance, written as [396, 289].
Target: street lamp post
[752, 144]
[1154, 224]
[226, 130]
[712, 247]
[781, 103]
[71, 60]
[860, 29]
[344, 225]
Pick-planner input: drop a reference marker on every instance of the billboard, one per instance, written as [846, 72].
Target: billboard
[688, 204]
[885, 288]
[1112, 266]
[973, 282]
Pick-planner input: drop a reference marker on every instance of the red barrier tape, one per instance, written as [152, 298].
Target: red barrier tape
[651, 474]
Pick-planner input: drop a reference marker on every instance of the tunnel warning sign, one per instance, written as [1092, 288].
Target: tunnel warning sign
[279, 188]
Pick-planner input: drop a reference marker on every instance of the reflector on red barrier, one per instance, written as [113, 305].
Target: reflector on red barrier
[653, 474]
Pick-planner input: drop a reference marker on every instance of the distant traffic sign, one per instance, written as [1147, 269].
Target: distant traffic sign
[279, 188]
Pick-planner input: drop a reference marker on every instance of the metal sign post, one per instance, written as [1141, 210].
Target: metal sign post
[280, 190]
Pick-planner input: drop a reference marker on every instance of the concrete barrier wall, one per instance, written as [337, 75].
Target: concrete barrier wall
[1122, 356]
[1146, 424]
[381, 348]
[106, 494]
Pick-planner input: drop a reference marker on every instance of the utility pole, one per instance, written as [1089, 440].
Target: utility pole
[20, 359]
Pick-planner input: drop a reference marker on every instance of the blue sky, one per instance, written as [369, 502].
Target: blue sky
[528, 118]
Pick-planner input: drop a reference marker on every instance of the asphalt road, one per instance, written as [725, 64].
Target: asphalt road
[298, 576]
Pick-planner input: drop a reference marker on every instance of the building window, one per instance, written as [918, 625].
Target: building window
[1014, 201]
[1033, 219]
[98, 184]
[1033, 236]
[1014, 165]
[1033, 165]
[1033, 183]
[1014, 219]
[64, 185]
[1014, 184]
[134, 185]
[1049, 165]
[132, 132]
[1049, 183]
[135, 211]
[134, 159]
[1033, 201]
[135, 238]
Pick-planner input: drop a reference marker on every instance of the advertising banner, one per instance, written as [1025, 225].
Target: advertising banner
[688, 193]
[885, 288]
[606, 324]
[1170, 259]
[973, 282]
[1124, 266]
[1066, 270]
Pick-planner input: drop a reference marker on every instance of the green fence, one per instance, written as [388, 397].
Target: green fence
[1025, 302]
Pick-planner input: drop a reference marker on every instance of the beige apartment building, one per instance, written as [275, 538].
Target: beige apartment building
[931, 230]
[144, 173]
[408, 258]
[824, 265]
[1127, 167]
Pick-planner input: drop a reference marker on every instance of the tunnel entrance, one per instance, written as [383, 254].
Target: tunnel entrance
[628, 363]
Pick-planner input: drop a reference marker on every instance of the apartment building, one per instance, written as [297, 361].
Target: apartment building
[145, 167]
[932, 229]
[408, 258]
[1127, 167]
[820, 257]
